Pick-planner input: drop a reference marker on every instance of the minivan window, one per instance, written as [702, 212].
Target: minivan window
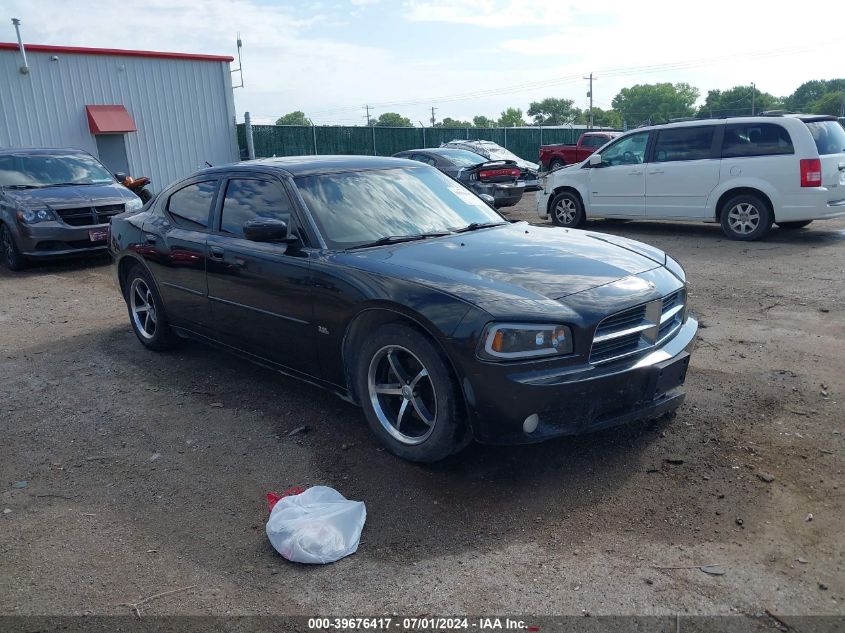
[249, 199]
[829, 137]
[684, 143]
[756, 139]
[191, 205]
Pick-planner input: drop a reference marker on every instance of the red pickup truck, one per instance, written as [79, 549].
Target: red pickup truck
[558, 155]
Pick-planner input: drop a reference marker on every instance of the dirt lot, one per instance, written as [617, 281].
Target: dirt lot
[145, 473]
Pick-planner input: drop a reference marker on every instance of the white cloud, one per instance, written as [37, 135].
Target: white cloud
[364, 3]
[489, 13]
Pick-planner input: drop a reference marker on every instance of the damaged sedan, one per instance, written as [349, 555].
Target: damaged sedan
[395, 287]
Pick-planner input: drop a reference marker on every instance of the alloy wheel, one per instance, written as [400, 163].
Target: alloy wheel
[402, 394]
[565, 211]
[142, 305]
[743, 218]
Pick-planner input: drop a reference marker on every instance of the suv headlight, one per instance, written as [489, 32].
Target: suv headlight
[519, 341]
[34, 216]
[135, 204]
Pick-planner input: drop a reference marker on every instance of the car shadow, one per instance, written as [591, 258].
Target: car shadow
[53, 266]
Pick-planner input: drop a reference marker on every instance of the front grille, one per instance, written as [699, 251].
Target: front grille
[638, 329]
[89, 216]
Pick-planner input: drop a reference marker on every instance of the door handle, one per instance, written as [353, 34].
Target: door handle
[635, 173]
[656, 171]
[216, 253]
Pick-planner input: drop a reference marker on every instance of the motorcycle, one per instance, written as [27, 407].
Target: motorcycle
[137, 186]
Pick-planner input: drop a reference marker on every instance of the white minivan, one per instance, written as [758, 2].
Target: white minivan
[746, 173]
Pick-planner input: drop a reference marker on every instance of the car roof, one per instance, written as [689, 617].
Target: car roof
[296, 166]
[760, 118]
[5, 151]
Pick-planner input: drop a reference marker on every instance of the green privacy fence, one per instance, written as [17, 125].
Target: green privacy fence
[295, 140]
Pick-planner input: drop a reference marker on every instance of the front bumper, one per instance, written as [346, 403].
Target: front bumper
[54, 239]
[575, 400]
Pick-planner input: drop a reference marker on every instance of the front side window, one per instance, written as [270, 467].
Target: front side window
[355, 208]
[626, 151]
[685, 143]
[31, 171]
[190, 207]
[756, 139]
[248, 199]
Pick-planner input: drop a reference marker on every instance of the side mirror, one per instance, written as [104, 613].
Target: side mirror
[120, 176]
[595, 160]
[490, 200]
[266, 230]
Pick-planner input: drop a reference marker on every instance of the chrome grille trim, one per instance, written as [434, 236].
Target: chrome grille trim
[638, 329]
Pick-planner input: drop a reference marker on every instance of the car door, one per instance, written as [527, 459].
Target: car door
[259, 291]
[617, 185]
[683, 171]
[174, 249]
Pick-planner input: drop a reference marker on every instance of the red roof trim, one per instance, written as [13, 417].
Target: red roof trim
[81, 50]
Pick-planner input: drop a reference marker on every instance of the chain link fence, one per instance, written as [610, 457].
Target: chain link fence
[295, 140]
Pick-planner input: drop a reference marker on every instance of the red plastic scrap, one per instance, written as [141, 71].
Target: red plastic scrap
[274, 498]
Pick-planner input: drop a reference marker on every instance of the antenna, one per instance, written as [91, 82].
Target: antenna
[240, 68]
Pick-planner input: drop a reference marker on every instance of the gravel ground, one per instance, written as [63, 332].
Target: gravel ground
[126, 473]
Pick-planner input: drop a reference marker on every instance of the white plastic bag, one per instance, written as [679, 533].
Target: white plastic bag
[319, 525]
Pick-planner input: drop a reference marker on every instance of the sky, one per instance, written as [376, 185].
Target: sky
[329, 58]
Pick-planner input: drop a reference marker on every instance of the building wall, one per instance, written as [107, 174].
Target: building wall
[183, 108]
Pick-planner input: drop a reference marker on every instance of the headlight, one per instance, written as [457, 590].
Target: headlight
[515, 341]
[34, 216]
[135, 204]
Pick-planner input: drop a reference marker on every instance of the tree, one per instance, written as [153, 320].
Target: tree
[482, 121]
[655, 102]
[450, 122]
[391, 119]
[737, 101]
[512, 117]
[297, 117]
[811, 91]
[551, 111]
[829, 103]
[604, 118]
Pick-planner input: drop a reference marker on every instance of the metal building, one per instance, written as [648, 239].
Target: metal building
[145, 113]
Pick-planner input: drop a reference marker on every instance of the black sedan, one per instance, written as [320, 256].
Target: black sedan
[395, 287]
[498, 179]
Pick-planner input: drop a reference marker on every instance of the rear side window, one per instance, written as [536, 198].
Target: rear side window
[248, 199]
[594, 141]
[423, 159]
[829, 137]
[756, 139]
[684, 143]
[191, 206]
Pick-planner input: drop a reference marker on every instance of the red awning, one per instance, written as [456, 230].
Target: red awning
[109, 119]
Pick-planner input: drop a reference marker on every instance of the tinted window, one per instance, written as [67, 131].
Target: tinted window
[423, 159]
[629, 150]
[685, 143]
[250, 199]
[594, 141]
[191, 206]
[461, 157]
[829, 137]
[756, 139]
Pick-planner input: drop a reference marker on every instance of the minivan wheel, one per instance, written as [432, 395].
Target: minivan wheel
[567, 210]
[746, 217]
[12, 258]
[146, 311]
[800, 224]
[408, 395]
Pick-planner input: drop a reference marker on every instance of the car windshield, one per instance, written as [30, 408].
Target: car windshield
[461, 157]
[829, 137]
[356, 208]
[45, 170]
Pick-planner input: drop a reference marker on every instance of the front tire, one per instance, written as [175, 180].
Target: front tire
[409, 398]
[746, 217]
[146, 311]
[556, 164]
[11, 256]
[566, 210]
[794, 225]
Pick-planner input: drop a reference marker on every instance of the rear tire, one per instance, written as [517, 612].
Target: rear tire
[556, 164]
[794, 225]
[746, 217]
[566, 210]
[11, 256]
[146, 311]
[409, 397]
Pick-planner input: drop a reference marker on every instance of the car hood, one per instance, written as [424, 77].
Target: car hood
[70, 196]
[514, 261]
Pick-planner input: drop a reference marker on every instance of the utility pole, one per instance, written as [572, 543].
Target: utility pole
[368, 115]
[590, 94]
[842, 108]
[432, 119]
[753, 95]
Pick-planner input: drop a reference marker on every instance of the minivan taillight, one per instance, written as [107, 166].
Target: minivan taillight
[811, 172]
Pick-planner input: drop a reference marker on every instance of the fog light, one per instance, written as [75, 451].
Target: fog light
[531, 422]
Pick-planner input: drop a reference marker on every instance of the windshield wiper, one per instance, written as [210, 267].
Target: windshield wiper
[477, 225]
[398, 239]
[21, 186]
